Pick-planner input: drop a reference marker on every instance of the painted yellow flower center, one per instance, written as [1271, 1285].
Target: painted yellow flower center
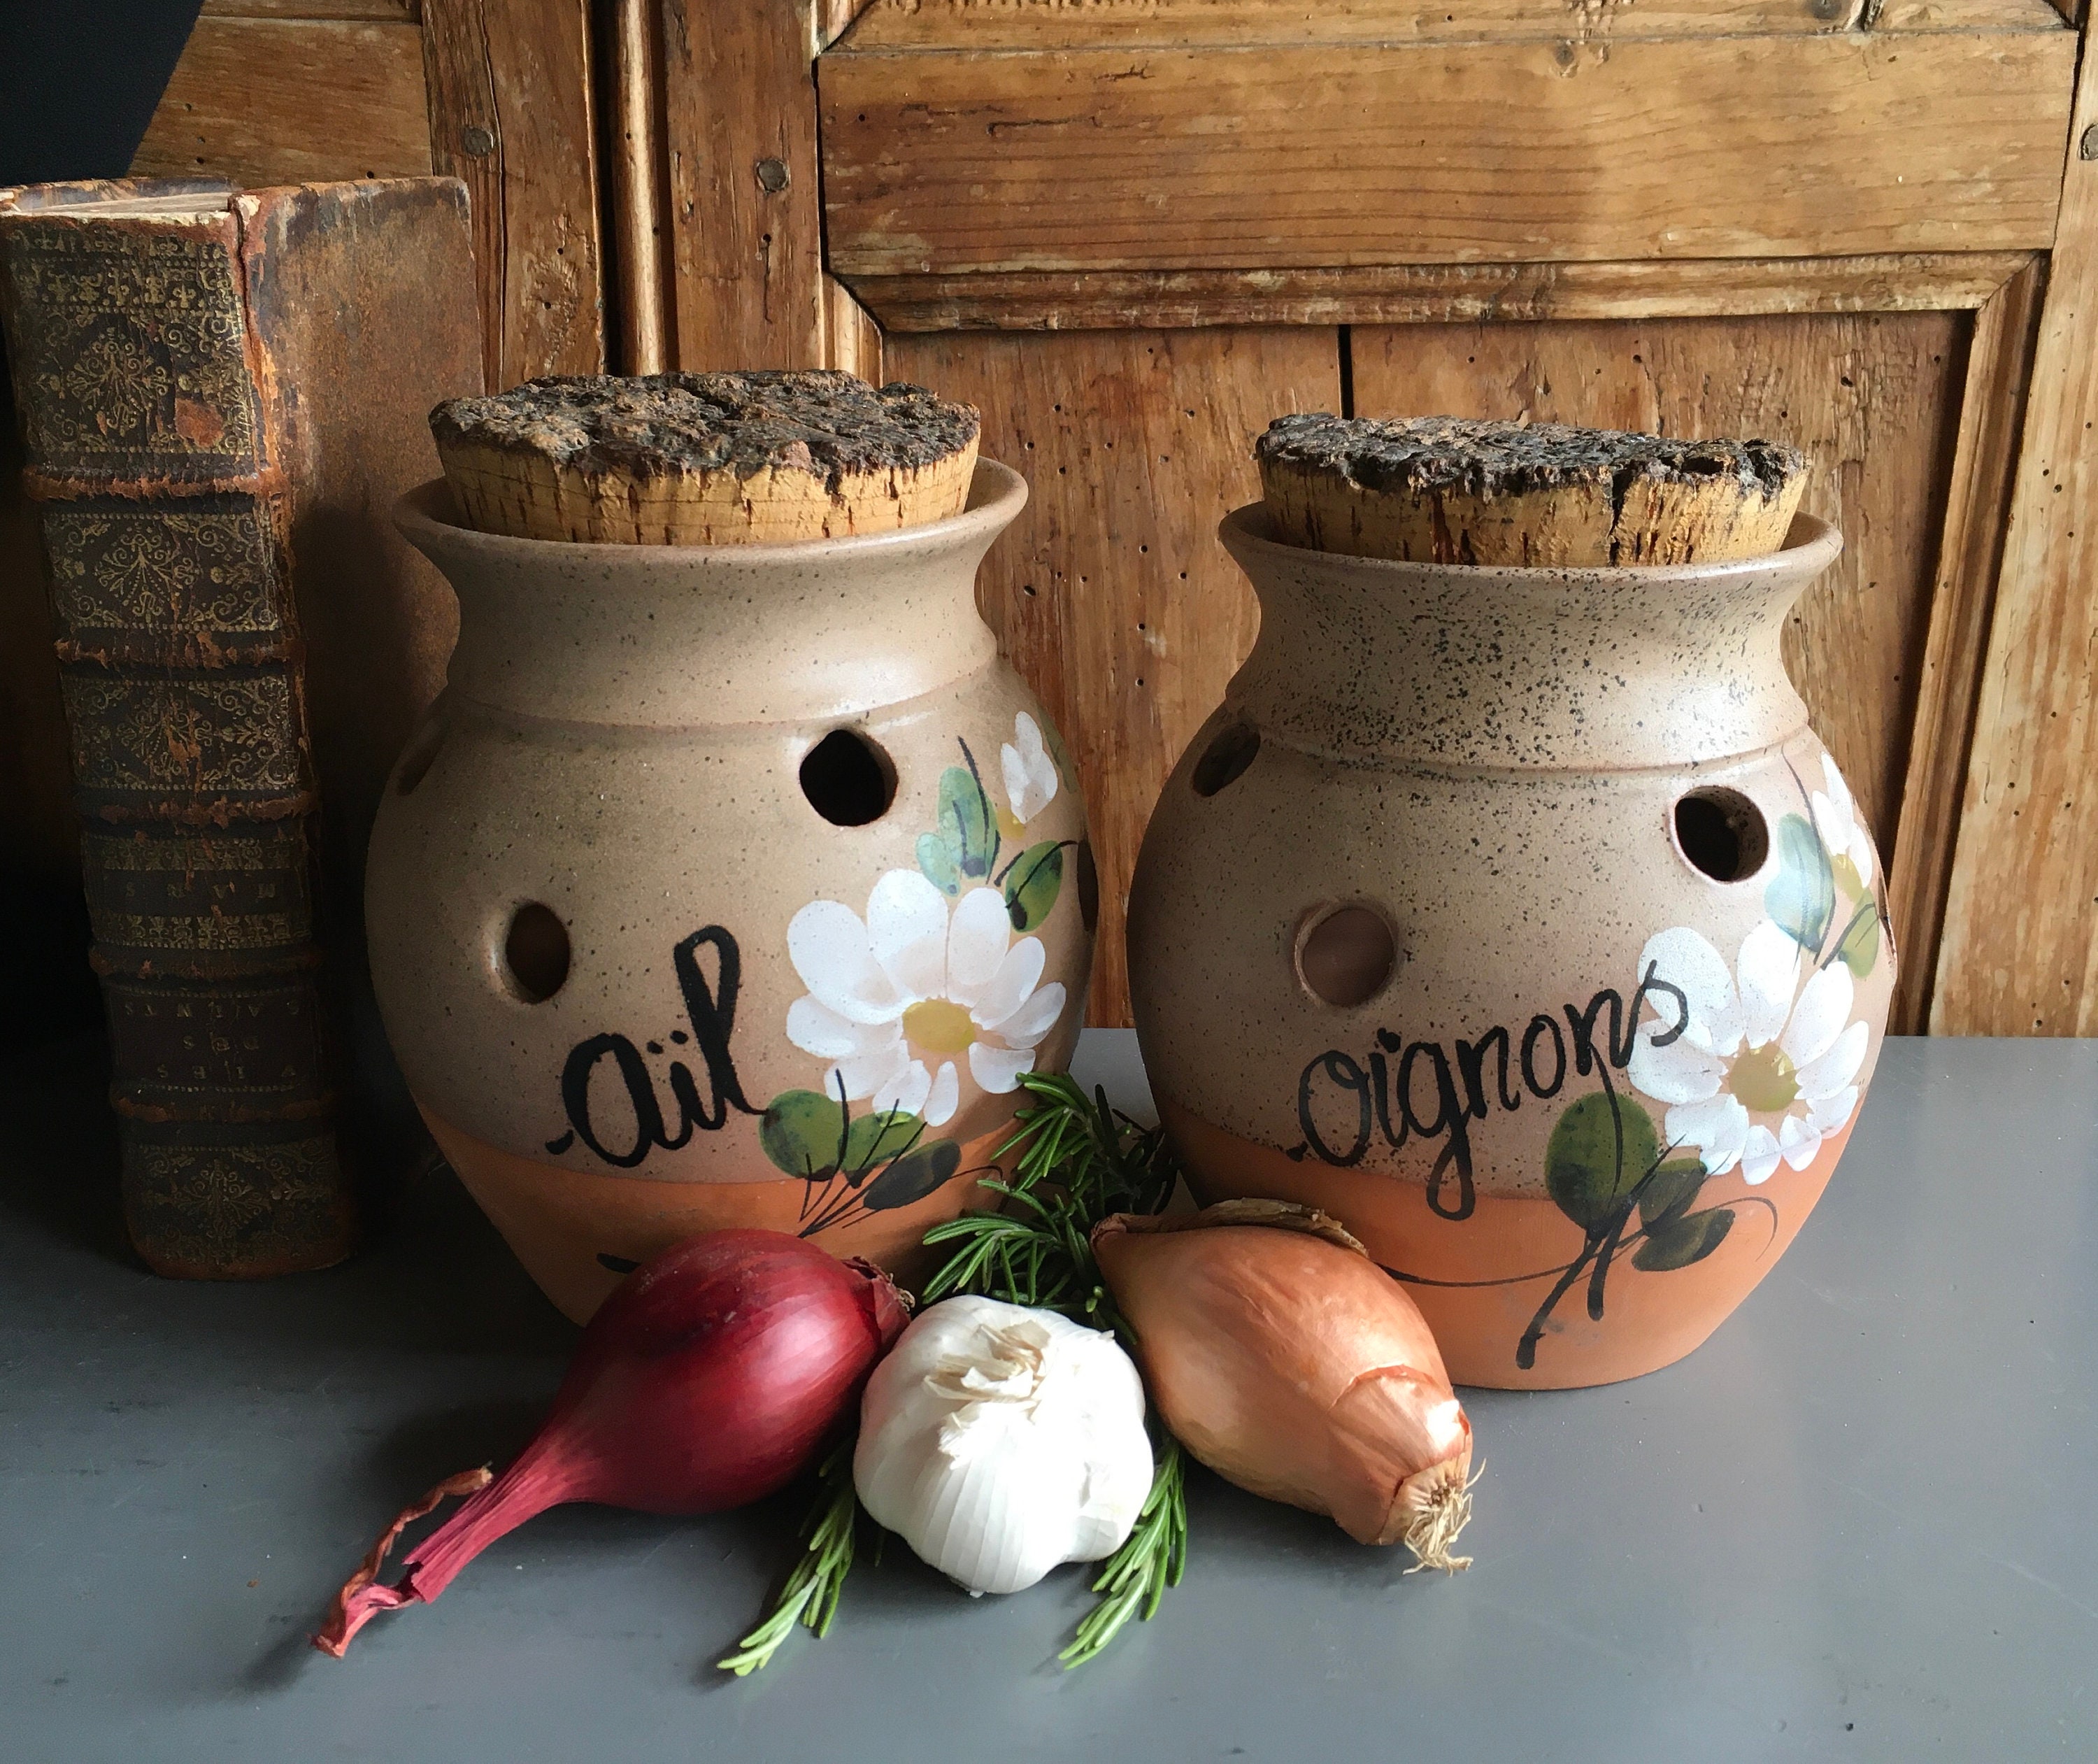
[1010, 827]
[1763, 1079]
[942, 1026]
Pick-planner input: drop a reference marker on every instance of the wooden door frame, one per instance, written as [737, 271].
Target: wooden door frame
[2005, 595]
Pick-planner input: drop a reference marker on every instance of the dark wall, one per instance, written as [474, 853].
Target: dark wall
[78, 82]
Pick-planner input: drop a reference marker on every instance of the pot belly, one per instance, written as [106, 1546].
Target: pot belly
[644, 983]
[1565, 1061]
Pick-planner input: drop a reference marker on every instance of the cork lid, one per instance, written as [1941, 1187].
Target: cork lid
[1453, 491]
[705, 458]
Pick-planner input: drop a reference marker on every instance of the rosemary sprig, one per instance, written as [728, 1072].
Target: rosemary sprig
[1082, 1160]
[1138, 1574]
[810, 1596]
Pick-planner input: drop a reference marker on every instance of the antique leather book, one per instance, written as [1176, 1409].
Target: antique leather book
[221, 394]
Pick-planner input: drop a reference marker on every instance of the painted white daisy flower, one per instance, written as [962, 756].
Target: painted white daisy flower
[1030, 772]
[1842, 831]
[896, 1001]
[1765, 1067]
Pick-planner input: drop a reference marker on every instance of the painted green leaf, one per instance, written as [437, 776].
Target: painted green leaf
[1670, 1191]
[800, 1133]
[1680, 1242]
[914, 1175]
[1801, 898]
[938, 865]
[874, 1139]
[967, 822]
[1860, 947]
[1599, 1150]
[1031, 885]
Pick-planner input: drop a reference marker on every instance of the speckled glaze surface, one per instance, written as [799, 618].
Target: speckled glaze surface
[764, 1018]
[1599, 1089]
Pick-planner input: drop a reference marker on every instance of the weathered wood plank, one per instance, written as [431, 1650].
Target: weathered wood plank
[746, 224]
[509, 112]
[2019, 952]
[1872, 398]
[275, 101]
[1970, 552]
[1112, 594]
[1751, 147]
[1115, 300]
[397, 12]
[639, 220]
[1126, 24]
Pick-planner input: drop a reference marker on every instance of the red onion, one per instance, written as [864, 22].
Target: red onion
[708, 1379]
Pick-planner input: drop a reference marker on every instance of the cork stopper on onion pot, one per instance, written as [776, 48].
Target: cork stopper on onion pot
[732, 459]
[1447, 490]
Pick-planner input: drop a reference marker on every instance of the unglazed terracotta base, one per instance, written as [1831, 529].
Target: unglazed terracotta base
[1516, 917]
[562, 1229]
[1482, 1289]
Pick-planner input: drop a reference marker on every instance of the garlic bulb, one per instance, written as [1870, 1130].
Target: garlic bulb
[1000, 1441]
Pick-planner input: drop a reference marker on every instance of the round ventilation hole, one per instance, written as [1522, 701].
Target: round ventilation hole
[1232, 749]
[535, 952]
[1721, 834]
[848, 779]
[1346, 956]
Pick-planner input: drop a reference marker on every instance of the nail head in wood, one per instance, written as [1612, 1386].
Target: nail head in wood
[476, 142]
[772, 176]
[2087, 148]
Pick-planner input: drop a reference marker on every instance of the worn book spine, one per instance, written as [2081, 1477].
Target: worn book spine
[152, 429]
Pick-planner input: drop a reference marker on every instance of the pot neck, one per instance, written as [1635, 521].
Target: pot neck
[679, 637]
[1472, 667]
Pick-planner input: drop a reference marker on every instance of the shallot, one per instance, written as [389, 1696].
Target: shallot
[708, 1379]
[1288, 1361]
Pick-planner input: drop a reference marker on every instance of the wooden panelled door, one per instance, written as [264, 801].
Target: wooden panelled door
[1134, 230]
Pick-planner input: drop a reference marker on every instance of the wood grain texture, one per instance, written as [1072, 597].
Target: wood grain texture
[1101, 159]
[746, 222]
[509, 112]
[852, 340]
[1872, 398]
[395, 11]
[638, 221]
[1970, 553]
[1130, 24]
[1111, 593]
[2019, 952]
[278, 100]
[1391, 294]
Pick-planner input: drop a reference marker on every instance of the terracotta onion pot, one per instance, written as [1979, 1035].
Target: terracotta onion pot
[1517, 918]
[726, 885]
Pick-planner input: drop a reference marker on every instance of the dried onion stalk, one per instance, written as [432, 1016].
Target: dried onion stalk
[1290, 1364]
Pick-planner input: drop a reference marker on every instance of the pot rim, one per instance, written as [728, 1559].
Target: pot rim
[997, 494]
[1812, 545]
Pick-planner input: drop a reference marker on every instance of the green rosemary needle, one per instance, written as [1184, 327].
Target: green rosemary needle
[1138, 1573]
[810, 1596]
[1080, 1159]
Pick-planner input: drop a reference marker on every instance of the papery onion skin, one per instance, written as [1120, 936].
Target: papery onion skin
[1290, 1364]
[708, 1379]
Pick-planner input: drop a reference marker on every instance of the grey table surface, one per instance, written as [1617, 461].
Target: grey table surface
[1858, 1524]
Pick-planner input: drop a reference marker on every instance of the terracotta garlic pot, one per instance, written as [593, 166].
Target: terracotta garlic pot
[1516, 917]
[726, 885]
